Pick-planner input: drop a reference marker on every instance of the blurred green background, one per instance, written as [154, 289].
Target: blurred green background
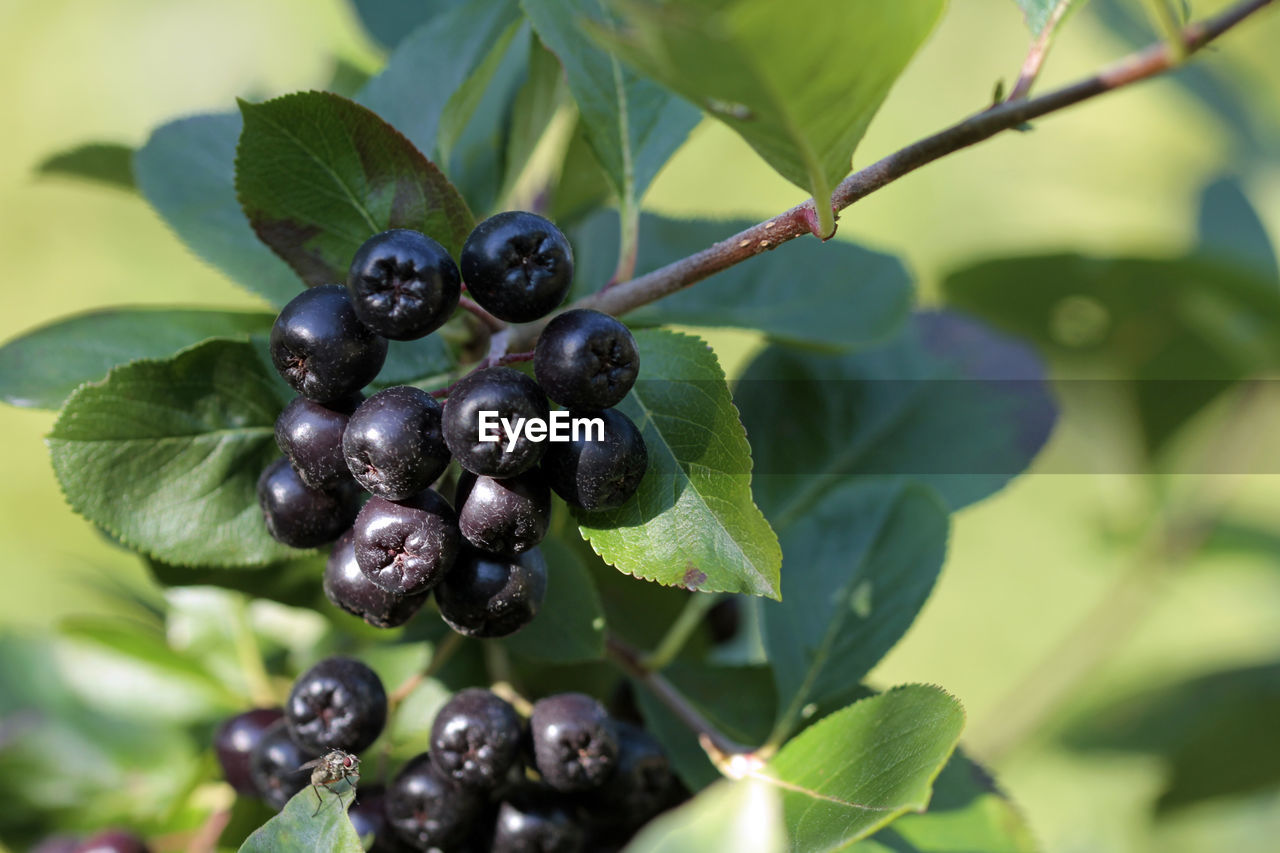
[1118, 176]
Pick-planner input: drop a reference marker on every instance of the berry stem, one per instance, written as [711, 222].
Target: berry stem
[1141, 65]
[719, 747]
[491, 322]
[692, 616]
[440, 655]
[509, 358]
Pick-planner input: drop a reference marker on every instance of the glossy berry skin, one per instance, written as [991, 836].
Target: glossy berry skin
[112, 841]
[575, 743]
[640, 785]
[310, 436]
[234, 741]
[598, 475]
[511, 395]
[368, 816]
[322, 349]
[586, 360]
[403, 285]
[428, 811]
[532, 822]
[476, 738]
[299, 516]
[490, 595]
[349, 589]
[274, 763]
[339, 703]
[393, 445]
[407, 547]
[503, 516]
[518, 266]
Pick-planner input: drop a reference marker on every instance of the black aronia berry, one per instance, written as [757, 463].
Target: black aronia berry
[403, 285]
[517, 265]
[321, 348]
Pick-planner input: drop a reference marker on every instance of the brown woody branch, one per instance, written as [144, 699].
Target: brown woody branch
[799, 220]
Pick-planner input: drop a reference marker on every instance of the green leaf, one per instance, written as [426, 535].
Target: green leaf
[300, 827]
[570, 627]
[632, 124]
[740, 701]
[856, 770]
[692, 522]
[107, 163]
[800, 88]
[317, 175]
[967, 812]
[457, 52]
[1171, 334]
[186, 171]
[907, 409]
[1039, 13]
[390, 21]
[851, 297]
[1230, 227]
[743, 816]
[147, 648]
[860, 565]
[292, 582]
[165, 455]
[40, 368]
[1216, 733]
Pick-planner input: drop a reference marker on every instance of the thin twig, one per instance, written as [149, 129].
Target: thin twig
[492, 323]
[716, 742]
[799, 220]
[1039, 51]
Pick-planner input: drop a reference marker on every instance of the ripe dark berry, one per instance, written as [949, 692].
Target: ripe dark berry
[724, 620]
[407, 547]
[235, 740]
[274, 764]
[112, 841]
[339, 703]
[586, 360]
[393, 445]
[476, 739]
[517, 266]
[503, 516]
[532, 822]
[299, 516]
[491, 595]
[368, 816]
[640, 784]
[575, 744]
[403, 284]
[310, 436]
[322, 349]
[351, 590]
[426, 810]
[511, 395]
[598, 475]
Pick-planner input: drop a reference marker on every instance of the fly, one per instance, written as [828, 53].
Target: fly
[330, 769]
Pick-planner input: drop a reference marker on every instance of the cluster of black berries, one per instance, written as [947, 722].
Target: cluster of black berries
[569, 779]
[338, 704]
[407, 540]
